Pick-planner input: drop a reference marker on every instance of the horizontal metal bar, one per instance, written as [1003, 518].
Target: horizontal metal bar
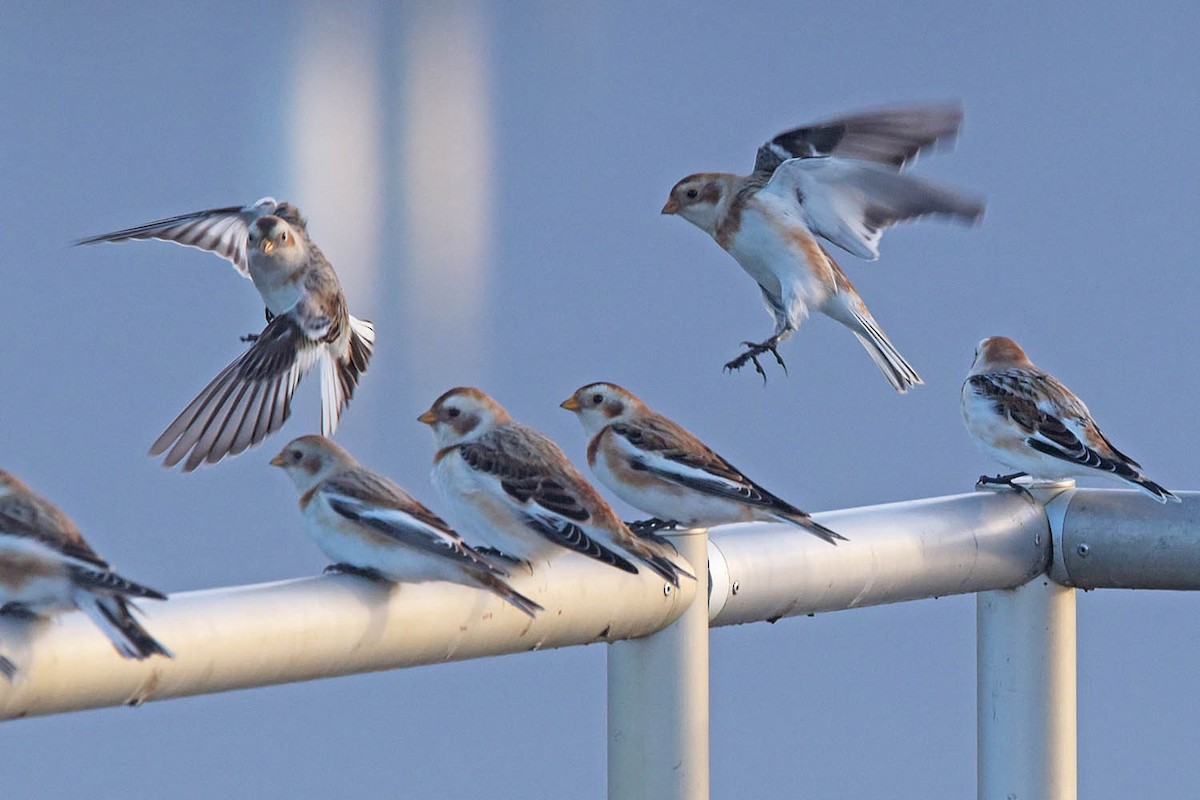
[297, 630]
[899, 551]
[1116, 539]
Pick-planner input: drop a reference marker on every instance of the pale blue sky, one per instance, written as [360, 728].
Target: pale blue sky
[556, 136]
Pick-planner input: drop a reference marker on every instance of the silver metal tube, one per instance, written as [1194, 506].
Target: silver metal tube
[899, 551]
[1026, 692]
[310, 628]
[1114, 539]
[658, 702]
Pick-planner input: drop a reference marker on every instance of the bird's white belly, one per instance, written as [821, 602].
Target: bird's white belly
[479, 512]
[777, 262]
[666, 500]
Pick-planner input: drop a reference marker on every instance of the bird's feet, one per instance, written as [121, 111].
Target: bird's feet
[752, 353]
[1003, 480]
[249, 337]
[362, 572]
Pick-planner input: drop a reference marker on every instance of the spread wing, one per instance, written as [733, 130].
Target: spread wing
[248, 400]
[851, 203]
[891, 136]
[223, 231]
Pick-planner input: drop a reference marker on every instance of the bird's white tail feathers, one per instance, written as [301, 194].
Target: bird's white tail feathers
[340, 373]
[885, 355]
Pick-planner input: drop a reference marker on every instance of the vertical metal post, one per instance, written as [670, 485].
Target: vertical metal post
[658, 700]
[1026, 692]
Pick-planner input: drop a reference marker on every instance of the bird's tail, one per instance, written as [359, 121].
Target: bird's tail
[649, 553]
[1153, 489]
[803, 520]
[340, 373]
[848, 308]
[502, 589]
[111, 614]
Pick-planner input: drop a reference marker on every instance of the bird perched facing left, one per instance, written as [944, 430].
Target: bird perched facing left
[308, 323]
[47, 567]
[659, 467]
[369, 525]
[520, 492]
[1025, 419]
[838, 180]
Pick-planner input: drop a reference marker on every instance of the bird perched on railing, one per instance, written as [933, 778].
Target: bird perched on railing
[1025, 419]
[838, 180]
[657, 466]
[371, 527]
[308, 324]
[517, 490]
[47, 567]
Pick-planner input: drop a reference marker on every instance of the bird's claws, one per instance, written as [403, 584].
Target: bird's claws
[1003, 480]
[249, 337]
[753, 351]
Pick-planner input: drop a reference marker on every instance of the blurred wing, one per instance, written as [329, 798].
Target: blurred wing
[890, 136]
[850, 203]
[25, 515]
[250, 399]
[223, 231]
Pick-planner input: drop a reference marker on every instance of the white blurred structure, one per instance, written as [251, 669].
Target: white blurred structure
[1022, 552]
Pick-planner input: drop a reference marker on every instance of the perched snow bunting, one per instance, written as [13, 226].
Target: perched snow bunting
[46, 567]
[517, 489]
[660, 468]
[838, 180]
[366, 522]
[307, 324]
[1028, 421]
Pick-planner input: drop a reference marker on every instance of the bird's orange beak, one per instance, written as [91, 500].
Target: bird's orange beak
[429, 417]
[671, 207]
[277, 461]
[570, 404]
[266, 245]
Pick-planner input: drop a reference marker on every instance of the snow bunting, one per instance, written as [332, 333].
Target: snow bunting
[659, 467]
[517, 489]
[370, 526]
[1028, 421]
[838, 180]
[46, 567]
[307, 324]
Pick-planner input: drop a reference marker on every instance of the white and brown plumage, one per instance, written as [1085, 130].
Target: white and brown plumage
[838, 180]
[362, 519]
[517, 490]
[308, 324]
[47, 567]
[658, 467]
[1028, 421]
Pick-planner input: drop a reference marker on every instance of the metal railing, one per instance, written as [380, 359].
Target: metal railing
[1022, 552]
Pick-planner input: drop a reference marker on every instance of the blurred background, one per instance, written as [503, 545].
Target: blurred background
[487, 179]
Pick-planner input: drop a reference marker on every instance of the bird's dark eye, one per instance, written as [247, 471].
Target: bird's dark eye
[283, 236]
[691, 193]
[597, 399]
[452, 413]
[297, 455]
